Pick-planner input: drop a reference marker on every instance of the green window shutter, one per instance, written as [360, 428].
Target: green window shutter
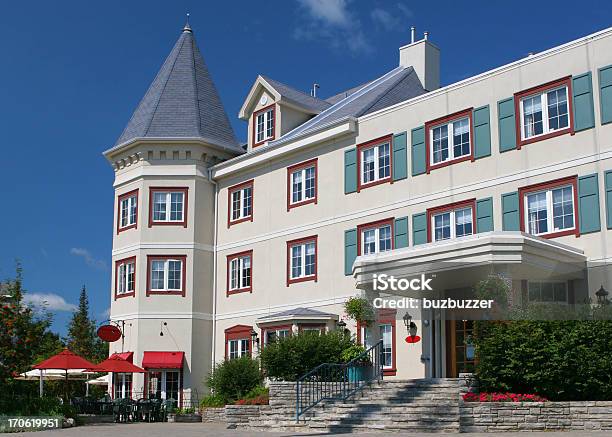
[588, 204]
[419, 228]
[484, 215]
[582, 89]
[605, 93]
[418, 151]
[510, 212]
[401, 232]
[350, 171]
[506, 124]
[400, 157]
[608, 181]
[482, 132]
[350, 250]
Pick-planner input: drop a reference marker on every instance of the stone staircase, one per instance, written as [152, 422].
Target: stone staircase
[419, 405]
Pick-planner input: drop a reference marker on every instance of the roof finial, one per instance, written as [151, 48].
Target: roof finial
[187, 27]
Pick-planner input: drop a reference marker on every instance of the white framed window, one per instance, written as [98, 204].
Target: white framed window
[275, 334]
[386, 334]
[128, 210]
[376, 239]
[303, 184]
[303, 259]
[241, 202]
[548, 291]
[452, 224]
[164, 384]
[450, 141]
[122, 383]
[375, 163]
[166, 274]
[240, 272]
[544, 113]
[168, 206]
[264, 125]
[551, 210]
[238, 348]
[126, 277]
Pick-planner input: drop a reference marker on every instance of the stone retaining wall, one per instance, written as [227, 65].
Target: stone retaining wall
[213, 414]
[535, 416]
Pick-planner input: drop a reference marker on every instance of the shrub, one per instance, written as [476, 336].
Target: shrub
[294, 356]
[212, 401]
[352, 352]
[359, 310]
[561, 360]
[259, 395]
[255, 392]
[502, 397]
[232, 379]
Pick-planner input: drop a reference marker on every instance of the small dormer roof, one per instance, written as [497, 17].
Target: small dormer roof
[282, 93]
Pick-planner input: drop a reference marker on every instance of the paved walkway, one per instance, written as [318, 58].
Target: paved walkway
[219, 430]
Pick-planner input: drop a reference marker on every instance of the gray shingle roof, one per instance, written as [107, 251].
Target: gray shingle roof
[298, 312]
[182, 101]
[344, 94]
[398, 85]
[298, 97]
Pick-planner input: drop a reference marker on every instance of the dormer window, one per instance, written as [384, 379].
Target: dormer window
[263, 125]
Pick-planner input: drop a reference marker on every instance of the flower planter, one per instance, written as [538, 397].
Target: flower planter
[356, 374]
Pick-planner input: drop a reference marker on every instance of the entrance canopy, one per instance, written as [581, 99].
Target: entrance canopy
[297, 316]
[163, 360]
[463, 261]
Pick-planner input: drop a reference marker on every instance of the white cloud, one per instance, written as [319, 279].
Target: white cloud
[405, 10]
[89, 259]
[49, 301]
[384, 19]
[332, 22]
[105, 314]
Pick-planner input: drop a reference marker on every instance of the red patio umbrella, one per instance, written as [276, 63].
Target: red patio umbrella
[116, 364]
[65, 360]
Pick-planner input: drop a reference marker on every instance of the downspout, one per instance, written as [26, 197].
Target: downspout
[216, 230]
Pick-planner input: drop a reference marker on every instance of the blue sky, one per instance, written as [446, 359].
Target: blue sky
[72, 75]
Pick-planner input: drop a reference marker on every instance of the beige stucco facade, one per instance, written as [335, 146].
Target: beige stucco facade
[197, 322]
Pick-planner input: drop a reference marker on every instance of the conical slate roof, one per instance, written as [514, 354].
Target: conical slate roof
[182, 101]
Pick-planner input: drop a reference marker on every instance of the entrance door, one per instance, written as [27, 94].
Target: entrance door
[459, 351]
[164, 384]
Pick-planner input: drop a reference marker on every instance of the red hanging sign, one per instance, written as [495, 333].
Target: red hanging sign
[109, 333]
[413, 339]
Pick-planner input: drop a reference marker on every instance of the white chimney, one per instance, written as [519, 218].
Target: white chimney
[424, 57]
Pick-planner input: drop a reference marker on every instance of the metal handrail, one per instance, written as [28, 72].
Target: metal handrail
[331, 381]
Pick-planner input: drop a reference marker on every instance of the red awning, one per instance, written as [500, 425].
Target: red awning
[127, 356]
[163, 360]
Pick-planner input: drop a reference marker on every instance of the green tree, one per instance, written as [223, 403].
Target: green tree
[82, 338]
[24, 334]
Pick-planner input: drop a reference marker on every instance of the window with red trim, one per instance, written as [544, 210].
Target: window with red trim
[166, 274]
[374, 162]
[449, 139]
[451, 221]
[125, 277]
[240, 272]
[544, 111]
[302, 260]
[127, 211]
[271, 334]
[302, 184]
[387, 332]
[550, 209]
[168, 206]
[237, 341]
[375, 237]
[264, 125]
[240, 203]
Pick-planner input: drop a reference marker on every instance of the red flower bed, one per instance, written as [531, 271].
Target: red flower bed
[259, 400]
[502, 397]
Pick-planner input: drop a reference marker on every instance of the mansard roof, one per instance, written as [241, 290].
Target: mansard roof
[182, 102]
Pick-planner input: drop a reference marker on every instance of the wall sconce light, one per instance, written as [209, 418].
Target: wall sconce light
[254, 338]
[341, 324]
[602, 295]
